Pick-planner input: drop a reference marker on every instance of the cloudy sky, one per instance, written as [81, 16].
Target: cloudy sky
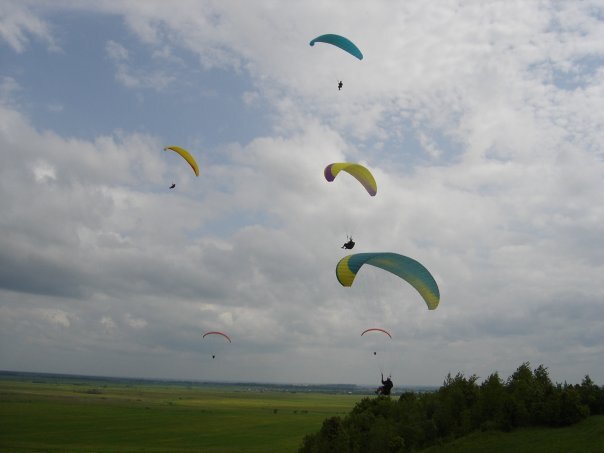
[483, 123]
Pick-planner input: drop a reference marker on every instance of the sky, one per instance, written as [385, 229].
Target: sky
[482, 122]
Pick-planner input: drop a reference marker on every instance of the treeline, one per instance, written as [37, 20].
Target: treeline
[462, 405]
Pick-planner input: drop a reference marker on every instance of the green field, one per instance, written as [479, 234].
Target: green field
[118, 417]
[55, 416]
[586, 436]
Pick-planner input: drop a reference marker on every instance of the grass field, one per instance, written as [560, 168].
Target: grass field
[53, 416]
[586, 436]
[100, 417]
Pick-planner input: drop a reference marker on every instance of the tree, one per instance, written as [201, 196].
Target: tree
[591, 395]
[332, 437]
[418, 420]
[491, 403]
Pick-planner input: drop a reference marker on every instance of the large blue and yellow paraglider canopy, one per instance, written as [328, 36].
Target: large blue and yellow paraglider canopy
[402, 266]
[339, 41]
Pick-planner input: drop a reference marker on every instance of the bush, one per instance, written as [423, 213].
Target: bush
[460, 406]
[331, 438]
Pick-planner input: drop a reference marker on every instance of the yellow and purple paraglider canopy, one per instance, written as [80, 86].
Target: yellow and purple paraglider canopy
[362, 174]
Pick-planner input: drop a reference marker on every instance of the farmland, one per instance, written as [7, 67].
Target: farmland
[106, 415]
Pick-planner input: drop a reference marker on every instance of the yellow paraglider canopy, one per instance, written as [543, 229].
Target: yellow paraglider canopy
[362, 174]
[186, 156]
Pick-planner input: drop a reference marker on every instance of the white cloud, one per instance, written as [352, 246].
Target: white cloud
[108, 324]
[44, 171]
[55, 108]
[481, 122]
[134, 77]
[18, 24]
[56, 317]
[8, 88]
[115, 51]
[136, 323]
[251, 97]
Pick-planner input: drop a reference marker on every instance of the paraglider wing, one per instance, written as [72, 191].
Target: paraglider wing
[341, 42]
[186, 156]
[402, 266]
[217, 333]
[362, 174]
[375, 329]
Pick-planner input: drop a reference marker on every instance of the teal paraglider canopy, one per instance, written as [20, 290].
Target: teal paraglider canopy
[341, 42]
[404, 267]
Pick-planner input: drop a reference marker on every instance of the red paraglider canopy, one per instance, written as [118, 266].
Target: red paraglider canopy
[378, 330]
[217, 333]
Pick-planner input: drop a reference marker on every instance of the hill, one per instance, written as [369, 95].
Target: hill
[586, 436]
